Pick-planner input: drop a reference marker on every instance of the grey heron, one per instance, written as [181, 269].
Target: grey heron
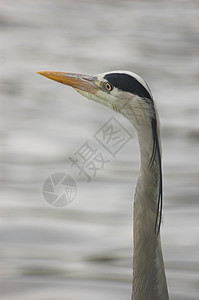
[128, 94]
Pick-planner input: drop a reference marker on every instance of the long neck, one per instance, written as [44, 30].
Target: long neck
[149, 281]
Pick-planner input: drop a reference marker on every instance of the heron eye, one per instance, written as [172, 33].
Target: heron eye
[108, 87]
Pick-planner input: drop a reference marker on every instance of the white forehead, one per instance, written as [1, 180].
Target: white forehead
[136, 76]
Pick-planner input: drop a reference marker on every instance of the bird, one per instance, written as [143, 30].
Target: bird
[127, 93]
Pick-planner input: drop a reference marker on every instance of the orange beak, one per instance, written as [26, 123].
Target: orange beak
[81, 82]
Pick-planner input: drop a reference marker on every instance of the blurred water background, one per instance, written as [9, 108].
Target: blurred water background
[83, 251]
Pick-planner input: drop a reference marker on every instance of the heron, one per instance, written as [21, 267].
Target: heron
[127, 93]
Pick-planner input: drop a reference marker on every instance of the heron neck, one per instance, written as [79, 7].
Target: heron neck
[149, 281]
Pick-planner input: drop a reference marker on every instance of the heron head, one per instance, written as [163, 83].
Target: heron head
[122, 91]
[127, 93]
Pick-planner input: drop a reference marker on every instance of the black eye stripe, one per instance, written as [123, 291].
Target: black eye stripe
[128, 83]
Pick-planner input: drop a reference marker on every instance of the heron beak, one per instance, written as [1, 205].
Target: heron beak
[80, 82]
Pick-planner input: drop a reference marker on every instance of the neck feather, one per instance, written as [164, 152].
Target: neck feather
[149, 281]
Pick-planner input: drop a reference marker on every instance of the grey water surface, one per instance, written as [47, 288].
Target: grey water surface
[84, 249]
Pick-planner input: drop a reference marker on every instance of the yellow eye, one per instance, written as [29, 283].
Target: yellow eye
[108, 87]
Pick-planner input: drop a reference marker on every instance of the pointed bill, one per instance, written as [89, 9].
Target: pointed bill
[81, 82]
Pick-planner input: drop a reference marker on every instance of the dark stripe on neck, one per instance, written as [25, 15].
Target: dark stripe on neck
[127, 83]
[156, 150]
